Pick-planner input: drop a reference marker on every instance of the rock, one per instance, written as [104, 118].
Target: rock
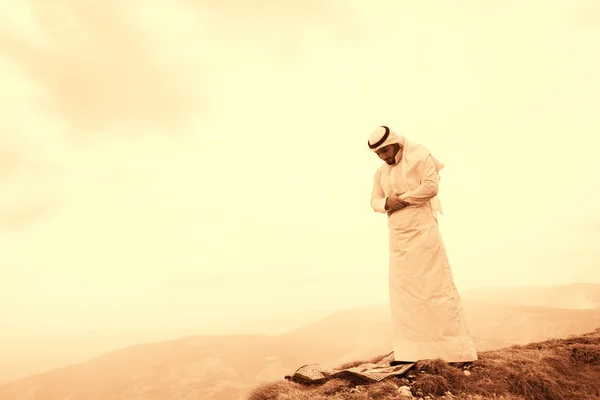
[467, 373]
[449, 394]
[405, 393]
[403, 382]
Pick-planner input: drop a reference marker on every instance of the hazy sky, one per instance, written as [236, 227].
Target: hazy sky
[193, 162]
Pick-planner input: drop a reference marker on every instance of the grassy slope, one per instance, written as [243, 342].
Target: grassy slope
[557, 369]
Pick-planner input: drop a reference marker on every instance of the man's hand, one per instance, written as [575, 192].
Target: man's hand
[393, 204]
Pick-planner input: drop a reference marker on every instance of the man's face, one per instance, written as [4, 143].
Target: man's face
[388, 153]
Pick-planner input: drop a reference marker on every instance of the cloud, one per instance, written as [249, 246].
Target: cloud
[97, 67]
[30, 171]
[21, 216]
[283, 27]
[10, 162]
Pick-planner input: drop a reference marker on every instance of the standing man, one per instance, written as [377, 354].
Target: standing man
[426, 310]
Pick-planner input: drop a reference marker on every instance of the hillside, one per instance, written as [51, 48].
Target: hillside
[207, 367]
[559, 369]
[24, 353]
[226, 367]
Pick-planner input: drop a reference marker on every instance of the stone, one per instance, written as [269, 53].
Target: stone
[405, 393]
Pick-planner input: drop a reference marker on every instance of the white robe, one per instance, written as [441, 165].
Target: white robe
[426, 310]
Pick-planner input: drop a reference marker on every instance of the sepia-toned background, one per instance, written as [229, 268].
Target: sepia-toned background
[173, 168]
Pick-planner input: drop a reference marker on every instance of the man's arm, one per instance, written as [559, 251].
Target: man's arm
[428, 188]
[378, 199]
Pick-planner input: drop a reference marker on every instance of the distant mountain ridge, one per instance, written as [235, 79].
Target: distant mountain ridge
[569, 296]
[225, 367]
[24, 354]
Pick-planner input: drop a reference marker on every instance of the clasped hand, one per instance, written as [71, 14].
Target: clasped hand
[393, 204]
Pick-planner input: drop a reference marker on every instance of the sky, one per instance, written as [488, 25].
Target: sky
[194, 163]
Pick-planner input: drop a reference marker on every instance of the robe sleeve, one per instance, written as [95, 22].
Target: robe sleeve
[428, 188]
[377, 195]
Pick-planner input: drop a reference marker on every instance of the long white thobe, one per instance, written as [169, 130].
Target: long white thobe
[426, 310]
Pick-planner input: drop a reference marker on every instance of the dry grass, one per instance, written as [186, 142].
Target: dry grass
[557, 369]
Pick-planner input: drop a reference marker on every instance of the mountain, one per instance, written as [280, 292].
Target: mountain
[222, 367]
[207, 367]
[26, 353]
[571, 296]
[366, 331]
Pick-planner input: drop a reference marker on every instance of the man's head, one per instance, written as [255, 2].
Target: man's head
[388, 153]
[386, 144]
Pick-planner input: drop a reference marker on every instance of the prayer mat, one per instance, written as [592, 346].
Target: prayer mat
[368, 372]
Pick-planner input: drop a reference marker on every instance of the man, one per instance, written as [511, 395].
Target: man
[426, 310]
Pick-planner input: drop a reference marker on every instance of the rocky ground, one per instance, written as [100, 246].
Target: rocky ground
[557, 369]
